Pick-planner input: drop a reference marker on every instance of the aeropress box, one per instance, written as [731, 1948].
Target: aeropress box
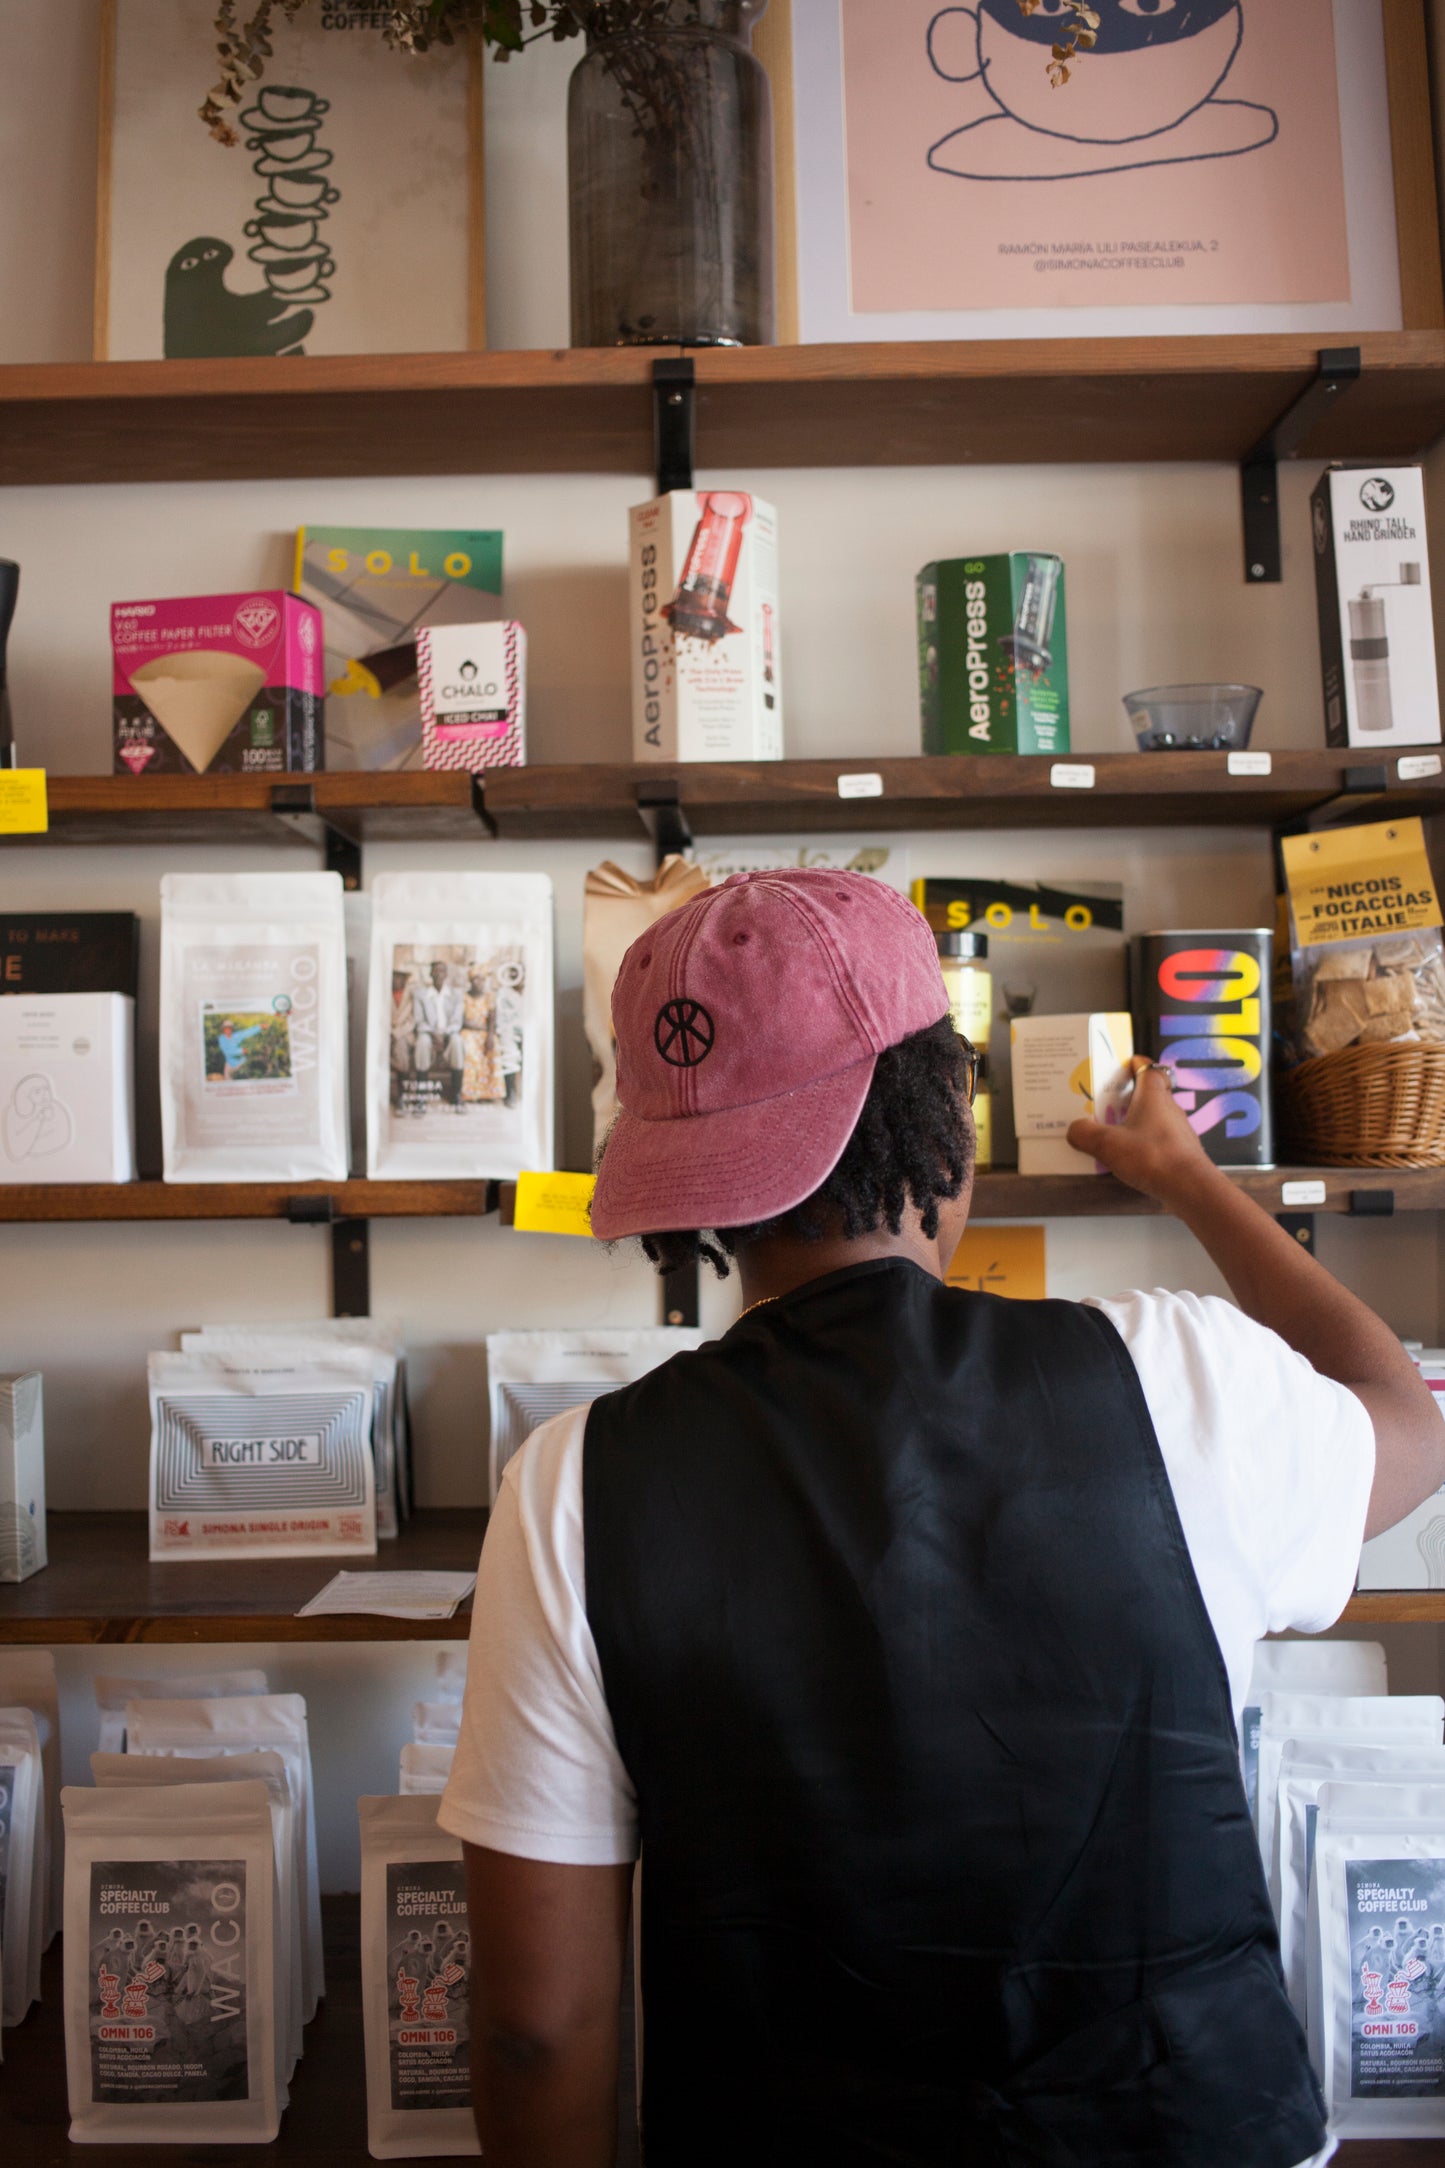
[703, 611]
[217, 685]
[993, 654]
[1372, 586]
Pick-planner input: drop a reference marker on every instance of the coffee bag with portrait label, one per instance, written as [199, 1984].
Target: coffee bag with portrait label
[274, 1723]
[1305, 1766]
[22, 1858]
[130, 1772]
[258, 1458]
[415, 1982]
[1355, 1719]
[459, 1043]
[27, 1681]
[113, 1692]
[1304, 1667]
[425, 1769]
[1377, 1958]
[170, 2011]
[253, 1027]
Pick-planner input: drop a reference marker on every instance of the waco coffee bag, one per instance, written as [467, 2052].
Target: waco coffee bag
[169, 1966]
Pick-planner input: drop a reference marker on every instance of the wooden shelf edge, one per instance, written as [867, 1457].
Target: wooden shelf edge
[1401, 1606]
[38, 1203]
[223, 1628]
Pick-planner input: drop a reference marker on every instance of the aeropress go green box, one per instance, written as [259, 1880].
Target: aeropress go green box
[993, 654]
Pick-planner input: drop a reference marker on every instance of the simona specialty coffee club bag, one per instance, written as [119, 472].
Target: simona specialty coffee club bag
[131, 1772]
[1355, 1719]
[22, 1858]
[170, 1899]
[416, 1967]
[459, 1060]
[253, 1027]
[1305, 1767]
[1304, 1667]
[113, 1694]
[27, 1681]
[1377, 1959]
[271, 1723]
[263, 1463]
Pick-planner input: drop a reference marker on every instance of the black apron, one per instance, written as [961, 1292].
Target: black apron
[946, 1856]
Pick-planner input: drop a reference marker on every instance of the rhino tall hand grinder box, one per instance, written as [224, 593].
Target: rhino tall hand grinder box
[703, 606]
[1372, 585]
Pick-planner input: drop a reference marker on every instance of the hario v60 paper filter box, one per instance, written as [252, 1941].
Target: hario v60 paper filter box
[1372, 584]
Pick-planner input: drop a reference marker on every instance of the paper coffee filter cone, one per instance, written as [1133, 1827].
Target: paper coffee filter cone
[198, 697]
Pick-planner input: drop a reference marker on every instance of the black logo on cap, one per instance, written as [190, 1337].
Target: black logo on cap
[683, 1033]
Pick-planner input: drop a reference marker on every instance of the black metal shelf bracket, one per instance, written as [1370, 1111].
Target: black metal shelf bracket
[351, 1268]
[674, 383]
[479, 807]
[1372, 1204]
[660, 810]
[1339, 367]
[1300, 1227]
[297, 801]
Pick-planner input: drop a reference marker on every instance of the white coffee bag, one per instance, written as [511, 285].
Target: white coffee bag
[532, 1376]
[1377, 1958]
[251, 1462]
[27, 1681]
[424, 1770]
[253, 1027]
[451, 1679]
[170, 1905]
[1373, 1719]
[270, 1722]
[415, 1983]
[1305, 1766]
[1304, 1667]
[22, 1854]
[131, 1772]
[459, 1043]
[113, 1691]
[307, 1341]
[435, 1723]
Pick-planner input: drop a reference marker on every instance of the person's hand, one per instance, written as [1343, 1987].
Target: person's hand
[1153, 1149]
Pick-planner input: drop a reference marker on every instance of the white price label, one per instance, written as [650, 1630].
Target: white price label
[1410, 767]
[1066, 775]
[1249, 763]
[1301, 1193]
[860, 786]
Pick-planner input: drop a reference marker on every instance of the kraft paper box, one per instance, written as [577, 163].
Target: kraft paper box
[1065, 1067]
[22, 1477]
[1372, 588]
[703, 602]
[473, 685]
[217, 685]
[67, 1113]
[993, 660]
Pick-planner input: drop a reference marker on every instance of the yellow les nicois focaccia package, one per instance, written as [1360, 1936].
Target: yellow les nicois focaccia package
[1367, 956]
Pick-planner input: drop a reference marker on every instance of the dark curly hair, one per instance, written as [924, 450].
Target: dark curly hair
[913, 1142]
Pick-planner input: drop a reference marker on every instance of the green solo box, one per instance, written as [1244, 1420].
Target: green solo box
[993, 662]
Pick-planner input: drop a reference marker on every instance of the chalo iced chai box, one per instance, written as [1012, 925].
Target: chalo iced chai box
[217, 685]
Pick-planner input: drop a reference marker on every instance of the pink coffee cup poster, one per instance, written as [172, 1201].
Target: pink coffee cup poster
[1193, 157]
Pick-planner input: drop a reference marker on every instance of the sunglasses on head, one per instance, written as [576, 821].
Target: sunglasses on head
[973, 1061]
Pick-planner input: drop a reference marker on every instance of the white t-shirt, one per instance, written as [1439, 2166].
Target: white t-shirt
[1270, 1464]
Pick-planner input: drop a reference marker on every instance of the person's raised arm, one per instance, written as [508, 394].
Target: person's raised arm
[1278, 1284]
[548, 1944]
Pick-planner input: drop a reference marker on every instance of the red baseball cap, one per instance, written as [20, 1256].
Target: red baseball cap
[748, 1025]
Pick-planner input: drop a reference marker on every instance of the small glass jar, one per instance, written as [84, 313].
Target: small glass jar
[968, 982]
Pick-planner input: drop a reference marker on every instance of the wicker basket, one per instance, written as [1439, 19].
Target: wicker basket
[1366, 1106]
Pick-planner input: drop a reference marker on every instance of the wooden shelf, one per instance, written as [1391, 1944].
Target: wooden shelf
[27, 1202]
[599, 799]
[100, 1587]
[932, 402]
[1396, 1606]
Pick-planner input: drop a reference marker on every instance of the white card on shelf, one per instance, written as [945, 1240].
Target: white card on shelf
[1411, 766]
[1301, 1193]
[1071, 775]
[1249, 763]
[392, 1595]
[860, 786]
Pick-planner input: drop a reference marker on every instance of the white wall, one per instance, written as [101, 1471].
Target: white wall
[1156, 592]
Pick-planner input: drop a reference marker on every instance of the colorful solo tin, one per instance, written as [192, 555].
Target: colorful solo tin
[1201, 1005]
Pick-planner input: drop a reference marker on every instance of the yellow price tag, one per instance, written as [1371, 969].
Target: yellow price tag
[23, 807]
[1001, 1261]
[554, 1204]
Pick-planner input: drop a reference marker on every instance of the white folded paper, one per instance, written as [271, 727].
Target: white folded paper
[392, 1595]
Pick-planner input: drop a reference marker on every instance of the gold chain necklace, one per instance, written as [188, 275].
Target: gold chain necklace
[762, 1301]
